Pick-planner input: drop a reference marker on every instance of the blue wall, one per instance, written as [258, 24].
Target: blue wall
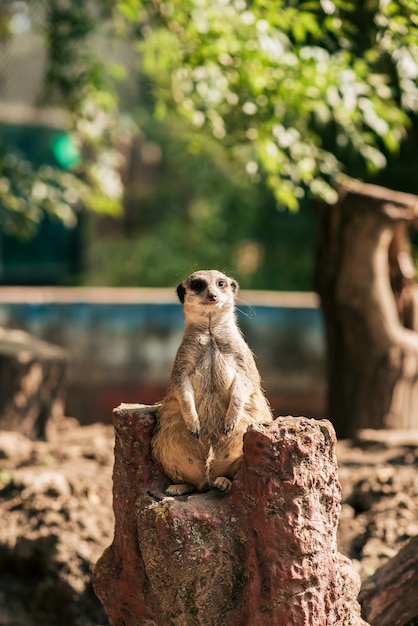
[122, 343]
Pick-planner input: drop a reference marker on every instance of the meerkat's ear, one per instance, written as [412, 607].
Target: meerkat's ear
[181, 292]
[234, 286]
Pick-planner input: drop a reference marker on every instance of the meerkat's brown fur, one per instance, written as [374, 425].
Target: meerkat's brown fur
[214, 392]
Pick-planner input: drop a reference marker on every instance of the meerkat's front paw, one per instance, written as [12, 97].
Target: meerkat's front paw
[222, 483]
[192, 425]
[232, 419]
[180, 490]
[230, 424]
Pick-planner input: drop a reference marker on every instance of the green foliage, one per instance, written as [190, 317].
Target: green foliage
[27, 195]
[295, 92]
[203, 212]
[293, 88]
[78, 79]
[73, 68]
[85, 172]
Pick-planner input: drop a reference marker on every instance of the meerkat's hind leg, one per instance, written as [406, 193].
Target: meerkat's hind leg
[180, 489]
[222, 483]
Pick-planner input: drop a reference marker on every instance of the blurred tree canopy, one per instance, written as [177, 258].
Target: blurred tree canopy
[197, 208]
[298, 93]
[74, 80]
[254, 106]
[303, 90]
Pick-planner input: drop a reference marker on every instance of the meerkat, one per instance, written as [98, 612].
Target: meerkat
[214, 392]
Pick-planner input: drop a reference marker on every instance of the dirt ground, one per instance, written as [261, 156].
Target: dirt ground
[56, 517]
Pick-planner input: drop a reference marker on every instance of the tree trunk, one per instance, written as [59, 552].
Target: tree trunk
[389, 597]
[365, 278]
[32, 383]
[264, 554]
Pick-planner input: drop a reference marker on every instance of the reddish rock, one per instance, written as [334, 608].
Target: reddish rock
[263, 555]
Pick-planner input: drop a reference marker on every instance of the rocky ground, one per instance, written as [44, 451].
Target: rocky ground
[56, 512]
[56, 517]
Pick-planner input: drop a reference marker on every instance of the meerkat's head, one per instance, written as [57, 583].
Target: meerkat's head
[207, 293]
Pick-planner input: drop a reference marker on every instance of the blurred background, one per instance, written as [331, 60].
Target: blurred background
[109, 199]
[184, 205]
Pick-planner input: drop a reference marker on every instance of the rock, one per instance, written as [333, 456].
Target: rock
[14, 447]
[32, 385]
[55, 500]
[263, 555]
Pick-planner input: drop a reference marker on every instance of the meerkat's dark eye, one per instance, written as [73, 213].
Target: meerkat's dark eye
[197, 285]
[221, 283]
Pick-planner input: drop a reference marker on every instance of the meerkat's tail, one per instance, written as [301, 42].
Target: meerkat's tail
[209, 460]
